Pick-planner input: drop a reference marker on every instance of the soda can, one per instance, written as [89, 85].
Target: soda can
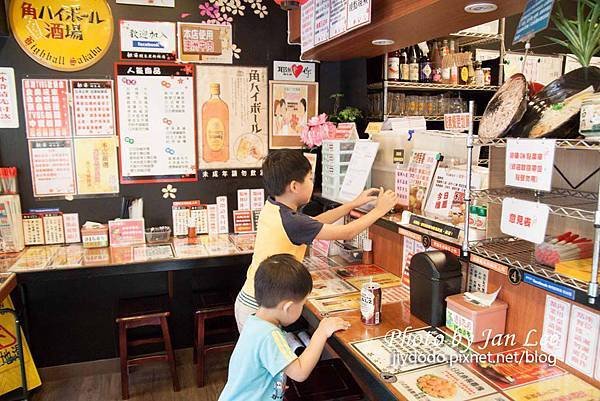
[370, 304]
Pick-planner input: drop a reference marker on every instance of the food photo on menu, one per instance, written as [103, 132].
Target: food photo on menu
[300, 200]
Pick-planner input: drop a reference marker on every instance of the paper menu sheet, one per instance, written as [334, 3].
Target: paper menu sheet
[556, 327]
[359, 169]
[450, 383]
[581, 347]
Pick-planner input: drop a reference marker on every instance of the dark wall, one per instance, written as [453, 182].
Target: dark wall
[261, 41]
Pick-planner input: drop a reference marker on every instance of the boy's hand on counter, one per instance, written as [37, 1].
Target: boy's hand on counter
[330, 325]
[386, 200]
[366, 196]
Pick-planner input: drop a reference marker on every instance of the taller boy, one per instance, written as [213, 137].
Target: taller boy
[282, 228]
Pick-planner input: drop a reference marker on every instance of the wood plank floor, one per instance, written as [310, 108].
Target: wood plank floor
[147, 383]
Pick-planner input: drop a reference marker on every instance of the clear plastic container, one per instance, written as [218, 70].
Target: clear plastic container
[158, 234]
[336, 146]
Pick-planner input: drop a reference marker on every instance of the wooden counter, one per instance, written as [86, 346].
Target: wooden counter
[8, 282]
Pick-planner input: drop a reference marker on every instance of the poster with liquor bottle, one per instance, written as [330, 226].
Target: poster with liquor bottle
[232, 116]
[156, 120]
[292, 104]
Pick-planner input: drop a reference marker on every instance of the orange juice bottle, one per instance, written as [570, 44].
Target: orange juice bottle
[215, 127]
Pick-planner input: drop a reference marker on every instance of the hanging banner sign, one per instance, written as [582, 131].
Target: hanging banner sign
[534, 19]
[148, 40]
[529, 163]
[63, 35]
[524, 219]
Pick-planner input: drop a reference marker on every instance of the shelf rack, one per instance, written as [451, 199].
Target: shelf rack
[562, 202]
[520, 254]
[466, 38]
[429, 86]
[577, 144]
[568, 203]
[427, 118]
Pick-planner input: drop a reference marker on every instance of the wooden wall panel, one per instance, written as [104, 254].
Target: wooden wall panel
[387, 249]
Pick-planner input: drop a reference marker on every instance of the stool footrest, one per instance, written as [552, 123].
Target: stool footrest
[140, 360]
[145, 341]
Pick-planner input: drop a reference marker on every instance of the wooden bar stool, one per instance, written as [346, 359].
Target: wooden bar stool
[145, 312]
[220, 334]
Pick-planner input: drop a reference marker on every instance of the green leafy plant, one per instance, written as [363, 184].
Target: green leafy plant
[349, 115]
[582, 34]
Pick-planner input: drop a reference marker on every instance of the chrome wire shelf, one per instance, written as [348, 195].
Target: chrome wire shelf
[431, 86]
[429, 118]
[520, 254]
[473, 38]
[586, 144]
[562, 202]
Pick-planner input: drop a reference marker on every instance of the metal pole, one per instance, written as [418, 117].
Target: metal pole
[502, 52]
[384, 109]
[465, 247]
[20, 353]
[593, 285]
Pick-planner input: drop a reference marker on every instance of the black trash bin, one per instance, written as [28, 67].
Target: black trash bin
[434, 275]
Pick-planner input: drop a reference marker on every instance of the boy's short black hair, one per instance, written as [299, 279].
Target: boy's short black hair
[281, 167]
[281, 278]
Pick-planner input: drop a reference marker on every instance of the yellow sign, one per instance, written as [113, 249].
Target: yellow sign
[566, 387]
[96, 165]
[10, 370]
[374, 128]
[64, 35]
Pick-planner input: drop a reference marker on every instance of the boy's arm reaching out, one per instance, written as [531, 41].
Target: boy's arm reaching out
[333, 215]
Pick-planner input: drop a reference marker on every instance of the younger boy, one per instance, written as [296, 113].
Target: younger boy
[282, 228]
[262, 358]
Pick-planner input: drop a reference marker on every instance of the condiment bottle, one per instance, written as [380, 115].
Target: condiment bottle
[367, 246]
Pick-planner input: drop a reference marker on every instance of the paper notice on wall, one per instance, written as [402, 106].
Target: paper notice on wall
[52, 169]
[9, 111]
[359, 170]
[582, 344]
[321, 21]
[149, 40]
[338, 17]
[93, 107]
[556, 327]
[524, 219]
[96, 165]
[359, 13]
[307, 25]
[46, 103]
[157, 127]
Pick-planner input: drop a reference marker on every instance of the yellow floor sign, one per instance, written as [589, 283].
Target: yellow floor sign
[10, 370]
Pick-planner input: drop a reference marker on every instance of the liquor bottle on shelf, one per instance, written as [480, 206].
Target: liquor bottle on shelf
[447, 66]
[425, 70]
[404, 67]
[454, 67]
[436, 64]
[414, 65]
[215, 127]
[394, 65]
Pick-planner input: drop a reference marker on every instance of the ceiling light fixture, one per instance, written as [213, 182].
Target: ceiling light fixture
[383, 42]
[481, 7]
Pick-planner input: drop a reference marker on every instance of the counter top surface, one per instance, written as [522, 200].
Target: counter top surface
[8, 282]
[49, 258]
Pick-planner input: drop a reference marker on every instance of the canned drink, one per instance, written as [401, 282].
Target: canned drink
[370, 304]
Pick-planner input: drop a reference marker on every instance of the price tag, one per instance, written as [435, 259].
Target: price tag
[529, 163]
[374, 128]
[524, 219]
[457, 122]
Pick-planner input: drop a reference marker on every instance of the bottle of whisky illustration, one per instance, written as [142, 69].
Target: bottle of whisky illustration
[215, 127]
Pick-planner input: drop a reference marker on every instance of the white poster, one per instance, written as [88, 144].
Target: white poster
[321, 21]
[529, 163]
[232, 116]
[294, 71]
[556, 327]
[359, 169]
[524, 219]
[359, 13]
[155, 3]
[338, 17]
[9, 112]
[307, 26]
[148, 40]
[157, 128]
[52, 169]
[93, 107]
[583, 340]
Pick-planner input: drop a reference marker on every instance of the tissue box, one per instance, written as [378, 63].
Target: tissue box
[473, 322]
[96, 237]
